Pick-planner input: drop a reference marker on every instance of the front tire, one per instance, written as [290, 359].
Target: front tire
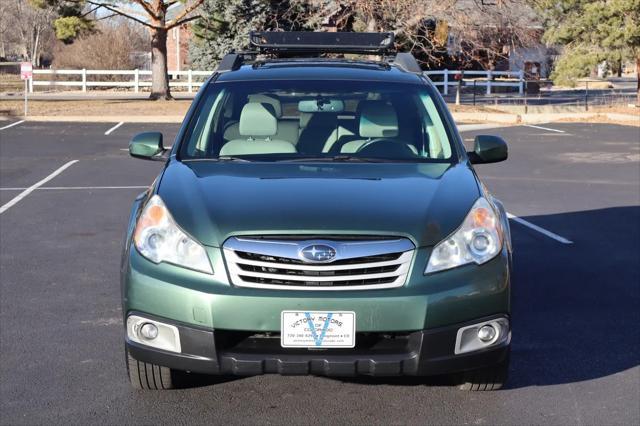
[485, 379]
[146, 376]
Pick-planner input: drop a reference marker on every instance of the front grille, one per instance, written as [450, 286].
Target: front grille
[358, 264]
[363, 259]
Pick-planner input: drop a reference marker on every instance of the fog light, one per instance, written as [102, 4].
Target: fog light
[487, 333]
[482, 335]
[153, 333]
[149, 331]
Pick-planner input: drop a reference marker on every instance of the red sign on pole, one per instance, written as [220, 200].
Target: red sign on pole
[26, 70]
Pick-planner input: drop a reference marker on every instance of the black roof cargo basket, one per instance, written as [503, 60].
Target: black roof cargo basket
[301, 43]
[296, 42]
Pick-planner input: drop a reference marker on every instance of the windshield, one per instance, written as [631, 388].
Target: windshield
[284, 120]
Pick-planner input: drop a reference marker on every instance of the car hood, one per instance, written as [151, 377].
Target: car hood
[213, 201]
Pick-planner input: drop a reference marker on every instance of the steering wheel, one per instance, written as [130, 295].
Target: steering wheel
[383, 147]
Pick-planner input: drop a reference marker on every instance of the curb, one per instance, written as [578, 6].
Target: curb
[544, 117]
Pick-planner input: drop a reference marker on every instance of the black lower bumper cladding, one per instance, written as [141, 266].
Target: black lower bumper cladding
[420, 353]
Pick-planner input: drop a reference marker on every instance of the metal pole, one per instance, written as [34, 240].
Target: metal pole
[26, 86]
[474, 92]
[521, 84]
[586, 96]
[459, 87]
[446, 82]
[526, 107]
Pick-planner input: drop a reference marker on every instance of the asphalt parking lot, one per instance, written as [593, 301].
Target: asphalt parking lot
[576, 292]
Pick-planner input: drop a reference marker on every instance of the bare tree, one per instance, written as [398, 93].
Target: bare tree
[485, 31]
[111, 45]
[153, 15]
[4, 30]
[26, 26]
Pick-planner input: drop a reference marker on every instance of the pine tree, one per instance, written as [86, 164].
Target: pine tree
[591, 31]
[225, 25]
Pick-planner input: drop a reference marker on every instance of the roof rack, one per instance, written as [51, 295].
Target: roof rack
[407, 62]
[230, 62]
[296, 42]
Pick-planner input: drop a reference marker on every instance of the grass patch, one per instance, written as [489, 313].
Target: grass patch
[96, 107]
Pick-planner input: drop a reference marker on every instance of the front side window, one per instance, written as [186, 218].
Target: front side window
[283, 120]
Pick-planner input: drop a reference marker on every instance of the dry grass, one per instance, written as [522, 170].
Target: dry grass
[11, 83]
[602, 119]
[471, 108]
[98, 108]
[618, 110]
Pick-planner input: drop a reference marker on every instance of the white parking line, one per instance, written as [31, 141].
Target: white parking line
[543, 231]
[544, 128]
[78, 187]
[167, 148]
[108, 132]
[471, 127]
[15, 200]
[12, 124]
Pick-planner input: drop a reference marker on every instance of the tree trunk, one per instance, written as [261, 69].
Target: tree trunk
[35, 60]
[159, 75]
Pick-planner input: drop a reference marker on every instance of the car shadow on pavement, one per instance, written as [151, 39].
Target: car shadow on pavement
[575, 308]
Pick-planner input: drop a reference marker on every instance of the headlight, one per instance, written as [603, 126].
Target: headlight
[159, 239]
[478, 240]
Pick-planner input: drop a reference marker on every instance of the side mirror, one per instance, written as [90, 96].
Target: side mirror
[488, 149]
[147, 146]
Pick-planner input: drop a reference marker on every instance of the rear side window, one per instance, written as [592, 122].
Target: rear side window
[279, 120]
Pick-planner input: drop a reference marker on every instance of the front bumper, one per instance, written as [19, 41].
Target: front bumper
[222, 352]
[210, 301]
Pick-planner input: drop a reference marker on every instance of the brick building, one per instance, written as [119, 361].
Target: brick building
[178, 48]
[178, 41]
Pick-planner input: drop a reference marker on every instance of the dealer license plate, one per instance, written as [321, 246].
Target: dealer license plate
[318, 329]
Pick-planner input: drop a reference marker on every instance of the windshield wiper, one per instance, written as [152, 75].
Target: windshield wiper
[232, 158]
[224, 158]
[337, 158]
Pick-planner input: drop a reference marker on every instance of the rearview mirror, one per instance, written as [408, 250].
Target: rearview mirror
[488, 149]
[147, 146]
[321, 105]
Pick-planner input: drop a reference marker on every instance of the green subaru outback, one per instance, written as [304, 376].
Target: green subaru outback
[317, 215]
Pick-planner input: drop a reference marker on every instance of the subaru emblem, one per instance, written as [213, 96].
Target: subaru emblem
[318, 253]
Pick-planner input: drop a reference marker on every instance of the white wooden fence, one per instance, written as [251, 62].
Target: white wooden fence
[489, 79]
[480, 78]
[135, 81]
